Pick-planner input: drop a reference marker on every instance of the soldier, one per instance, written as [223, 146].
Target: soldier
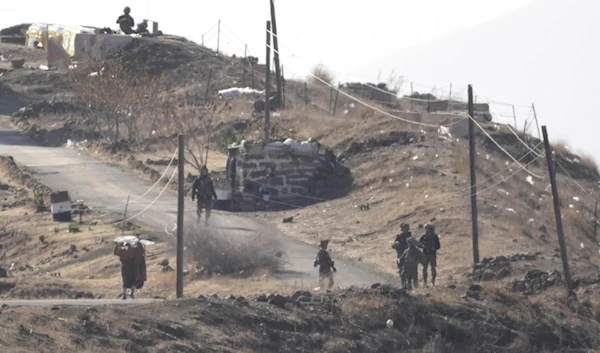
[400, 244]
[431, 244]
[126, 22]
[411, 258]
[326, 265]
[204, 190]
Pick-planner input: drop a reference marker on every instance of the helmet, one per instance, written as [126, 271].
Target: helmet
[127, 9]
[404, 226]
[203, 170]
[324, 243]
[430, 227]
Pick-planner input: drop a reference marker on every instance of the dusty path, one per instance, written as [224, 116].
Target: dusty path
[76, 302]
[106, 187]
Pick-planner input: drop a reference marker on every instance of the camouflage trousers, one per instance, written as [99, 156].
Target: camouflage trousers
[430, 260]
[409, 276]
[326, 276]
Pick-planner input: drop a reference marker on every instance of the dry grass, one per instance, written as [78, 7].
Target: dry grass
[588, 161]
[561, 147]
[218, 252]
[323, 73]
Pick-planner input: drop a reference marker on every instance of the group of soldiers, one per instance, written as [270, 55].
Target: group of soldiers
[410, 255]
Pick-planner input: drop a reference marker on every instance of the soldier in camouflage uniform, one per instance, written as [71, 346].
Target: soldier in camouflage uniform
[400, 244]
[326, 265]
[431, 244]
[411, 258]
[204, 190]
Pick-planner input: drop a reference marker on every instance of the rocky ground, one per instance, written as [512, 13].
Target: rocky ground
[353, 320]
[512, 301]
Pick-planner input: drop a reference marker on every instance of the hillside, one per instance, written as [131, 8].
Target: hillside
[403, 172]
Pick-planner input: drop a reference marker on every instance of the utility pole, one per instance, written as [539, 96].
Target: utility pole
[305, 93]
[337, 93]
[180, 204]
[536, 121]
[557, 214]
[472, 154]
[267, 84]
[278, 98]
[450, 94]
[514, 116]
[218, 35]
[245, 63]
[330, 99]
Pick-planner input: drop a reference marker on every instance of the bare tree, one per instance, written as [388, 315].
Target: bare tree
[195, 120]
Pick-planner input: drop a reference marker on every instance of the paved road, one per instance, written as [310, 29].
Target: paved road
[102, 185]
[76, 302]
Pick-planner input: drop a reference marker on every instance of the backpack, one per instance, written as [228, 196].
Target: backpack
[324, 258]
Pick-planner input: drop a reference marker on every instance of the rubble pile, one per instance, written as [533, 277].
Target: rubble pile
[536, 281]
[494, 268]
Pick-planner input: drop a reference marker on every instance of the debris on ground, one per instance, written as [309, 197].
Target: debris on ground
[536, 281]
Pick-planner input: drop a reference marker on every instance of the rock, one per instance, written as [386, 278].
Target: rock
[232, 297]
[4, 186]
[164, 262]
[17, 63]
[278, 300]
[261, 298]
[3, 273]
[536, 281]
[288, 219]
[304, 295]
[475, 288]
[167, 268]
[376, 285]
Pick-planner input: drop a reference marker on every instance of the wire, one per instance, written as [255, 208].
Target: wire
[151, 203]
[213, 27]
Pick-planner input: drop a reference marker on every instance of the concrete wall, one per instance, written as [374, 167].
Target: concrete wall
[97, 47]
[293, 172]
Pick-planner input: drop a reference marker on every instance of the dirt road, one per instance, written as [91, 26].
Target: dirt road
[106, 187]
[76, 302]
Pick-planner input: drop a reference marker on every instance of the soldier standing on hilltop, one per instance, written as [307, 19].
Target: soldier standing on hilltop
[400, 244]
[411, 258]
[204, 190]
[326, 265]
[431, 244]
[126, 22]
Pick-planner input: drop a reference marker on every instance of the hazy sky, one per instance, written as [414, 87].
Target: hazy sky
[517, 51]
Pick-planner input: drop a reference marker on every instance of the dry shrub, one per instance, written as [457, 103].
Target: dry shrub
[223, 250]
[461, 160]
[561, 147]
[323, 74]
[588, 161]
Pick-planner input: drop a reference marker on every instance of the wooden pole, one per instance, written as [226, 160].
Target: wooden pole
[472, 154]
[337, 93]
[203, 40]
[279, 97]
[536, 121]
[267, 84]
[180, 210]
[218, 35]
[514, 116]
[557, 213]
[125, 214]
[282, 87]
[450, 93]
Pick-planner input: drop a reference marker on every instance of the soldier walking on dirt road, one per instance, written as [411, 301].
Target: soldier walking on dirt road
[204, 190]
[326, 265]
[431, 244]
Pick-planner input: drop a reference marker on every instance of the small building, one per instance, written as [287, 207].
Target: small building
[286, 171]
